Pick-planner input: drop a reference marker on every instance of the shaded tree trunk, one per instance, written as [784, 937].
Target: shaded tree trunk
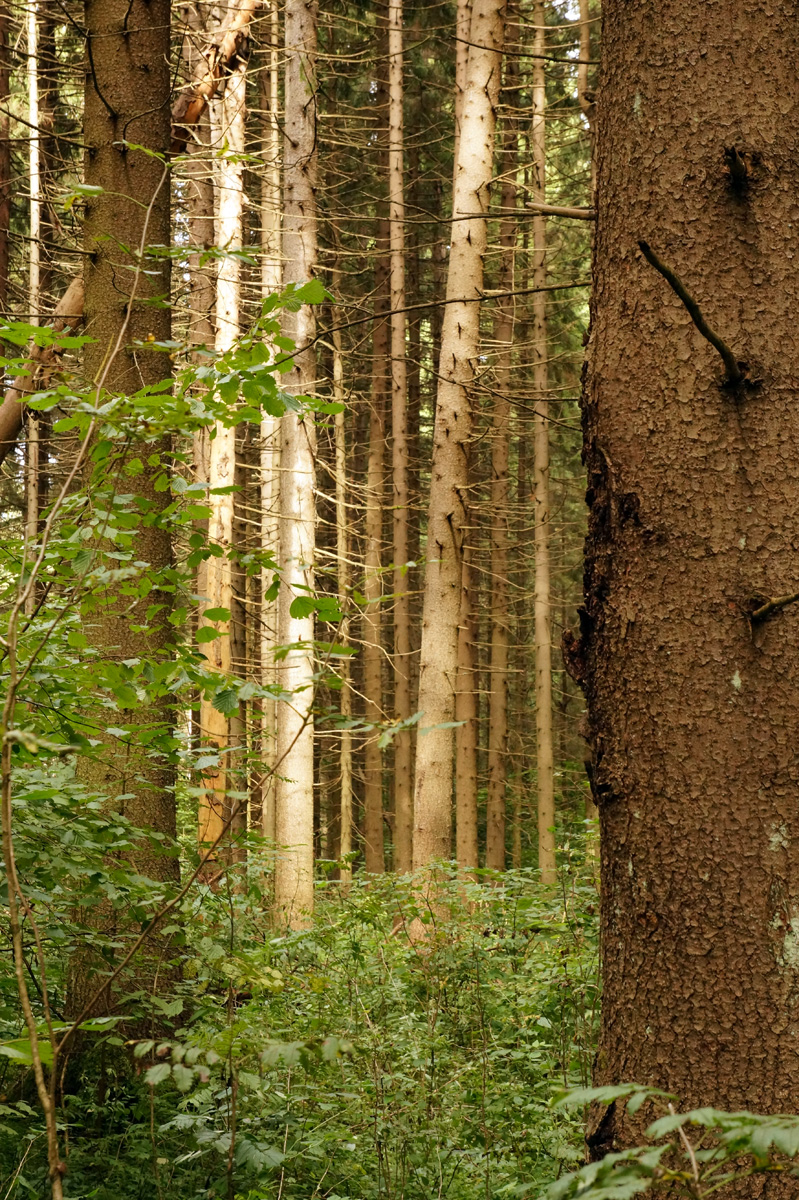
[545, 766]
[692, 702]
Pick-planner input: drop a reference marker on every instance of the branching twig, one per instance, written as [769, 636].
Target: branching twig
[735, 375]
[771, 606]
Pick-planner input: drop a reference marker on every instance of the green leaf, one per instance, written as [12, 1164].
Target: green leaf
[226, 701]
[158, 1073]
[207, 633]
[217, 614]
[312, 292]
[303, 606]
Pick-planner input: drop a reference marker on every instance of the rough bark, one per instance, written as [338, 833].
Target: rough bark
[343, 579]
[545, 767]
[446, 529]
[294, 798]
[692, 706]
[34, 160]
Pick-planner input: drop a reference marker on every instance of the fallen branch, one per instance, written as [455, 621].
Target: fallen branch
[771, 606]
[562, 210]
[735, 375]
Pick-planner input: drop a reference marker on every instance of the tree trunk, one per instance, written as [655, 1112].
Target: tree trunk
[294, 793]
[500, 507]
[34, 161]
[343, 579]
[5, 158]
[373, 580]
[446, 529]
[403, 765]
[217, 729]
[692, 699]
[466, 716]
[545, 767]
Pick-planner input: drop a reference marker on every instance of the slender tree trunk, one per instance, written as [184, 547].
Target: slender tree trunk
[294, 794]
[403, 765]
[692, 700]
[343, 575]
[373, 578]
[271, 283]
[446, 530]
[217, 729]
[500, 508]
[545, 767]
[34, 161]
[5, 157]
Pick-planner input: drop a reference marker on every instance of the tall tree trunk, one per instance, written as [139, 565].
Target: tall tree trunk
[34, 161]
[294, 794]
[373, 580]
[466, 716]
[221, 592]
[446, 529]
[545, 767]
[403, 765]
[692, 680]
[5, 157]
[271, 283]
[500, 508]
[343, 579]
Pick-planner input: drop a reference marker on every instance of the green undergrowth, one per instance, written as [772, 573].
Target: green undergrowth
[345, 1060]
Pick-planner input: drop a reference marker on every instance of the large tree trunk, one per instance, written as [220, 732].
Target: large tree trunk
[446, 528]
[294, 796]
[693, 698]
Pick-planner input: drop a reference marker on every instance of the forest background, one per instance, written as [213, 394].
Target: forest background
[300, 857]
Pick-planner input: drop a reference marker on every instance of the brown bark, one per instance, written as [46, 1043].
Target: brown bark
[693, 515]
[446, 529]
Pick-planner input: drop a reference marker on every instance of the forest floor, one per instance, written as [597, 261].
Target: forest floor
[344, 1060]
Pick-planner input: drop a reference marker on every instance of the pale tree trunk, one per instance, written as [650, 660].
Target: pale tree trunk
[34, 161]
[343, 576]
[500, 504]
[588, 107]
[545, 770]
[271, 282]
[294, 799]
[32, 444]
[463, 23]
[374, 854]
[466, 732]
[403, 764]
[460, 343]
[5, 157]
[224, 732]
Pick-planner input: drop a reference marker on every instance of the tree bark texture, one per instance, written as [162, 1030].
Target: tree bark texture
[694, 511]
[5, 157]
[127, 100]
[294, 793]
[446, 529]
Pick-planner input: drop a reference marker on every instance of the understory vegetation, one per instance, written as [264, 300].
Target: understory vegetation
[344, 1060]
